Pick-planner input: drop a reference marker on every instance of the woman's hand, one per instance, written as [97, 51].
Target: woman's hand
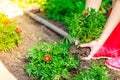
[94, 46]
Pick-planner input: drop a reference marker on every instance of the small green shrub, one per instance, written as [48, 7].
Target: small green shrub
[105, 6]
[96, 72]
[58, 9]
[86, 26]
[42, 4]
[8, 36]
[50, 61]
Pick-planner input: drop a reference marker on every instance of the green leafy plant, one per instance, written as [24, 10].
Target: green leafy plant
[50, 61]
[9, 38]
[96, 72]
[58, 9]
[105, 6]
[42, 4]
[86, 26]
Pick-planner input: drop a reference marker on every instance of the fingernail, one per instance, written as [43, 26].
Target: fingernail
[76, 42]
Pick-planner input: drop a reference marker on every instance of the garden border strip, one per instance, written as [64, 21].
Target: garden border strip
[5, 74]
[46, 23]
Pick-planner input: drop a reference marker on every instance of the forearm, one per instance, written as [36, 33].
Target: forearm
[113, 2]
[112, 22]
[94, 4]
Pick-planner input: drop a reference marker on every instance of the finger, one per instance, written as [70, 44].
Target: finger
[90, 56]
[86, 58]
[76, 42]
[85, 45]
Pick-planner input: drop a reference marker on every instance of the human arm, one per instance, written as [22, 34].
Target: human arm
[110, 25]
[94, 4]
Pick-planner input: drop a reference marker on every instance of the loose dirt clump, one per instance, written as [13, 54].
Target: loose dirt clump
[81, 52]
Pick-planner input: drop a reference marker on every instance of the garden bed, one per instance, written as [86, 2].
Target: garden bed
[83, 52]
[32, 32]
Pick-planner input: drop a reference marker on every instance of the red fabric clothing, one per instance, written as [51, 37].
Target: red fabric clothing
[111, 47]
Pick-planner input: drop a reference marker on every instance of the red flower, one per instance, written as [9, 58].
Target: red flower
[18, 30]
[47, 58]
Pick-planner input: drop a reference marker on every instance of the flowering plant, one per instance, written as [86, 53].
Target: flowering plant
[8, 36]
[50, 61]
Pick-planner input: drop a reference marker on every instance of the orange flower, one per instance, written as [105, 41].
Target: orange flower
[18, 30]
[85, 13]
[6, 21]
[47, 58]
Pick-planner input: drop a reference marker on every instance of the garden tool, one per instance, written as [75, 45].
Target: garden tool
[111, 47]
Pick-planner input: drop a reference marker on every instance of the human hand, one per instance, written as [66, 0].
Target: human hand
[94, 46]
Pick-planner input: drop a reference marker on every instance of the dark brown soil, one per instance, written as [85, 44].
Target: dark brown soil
[85, 65]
